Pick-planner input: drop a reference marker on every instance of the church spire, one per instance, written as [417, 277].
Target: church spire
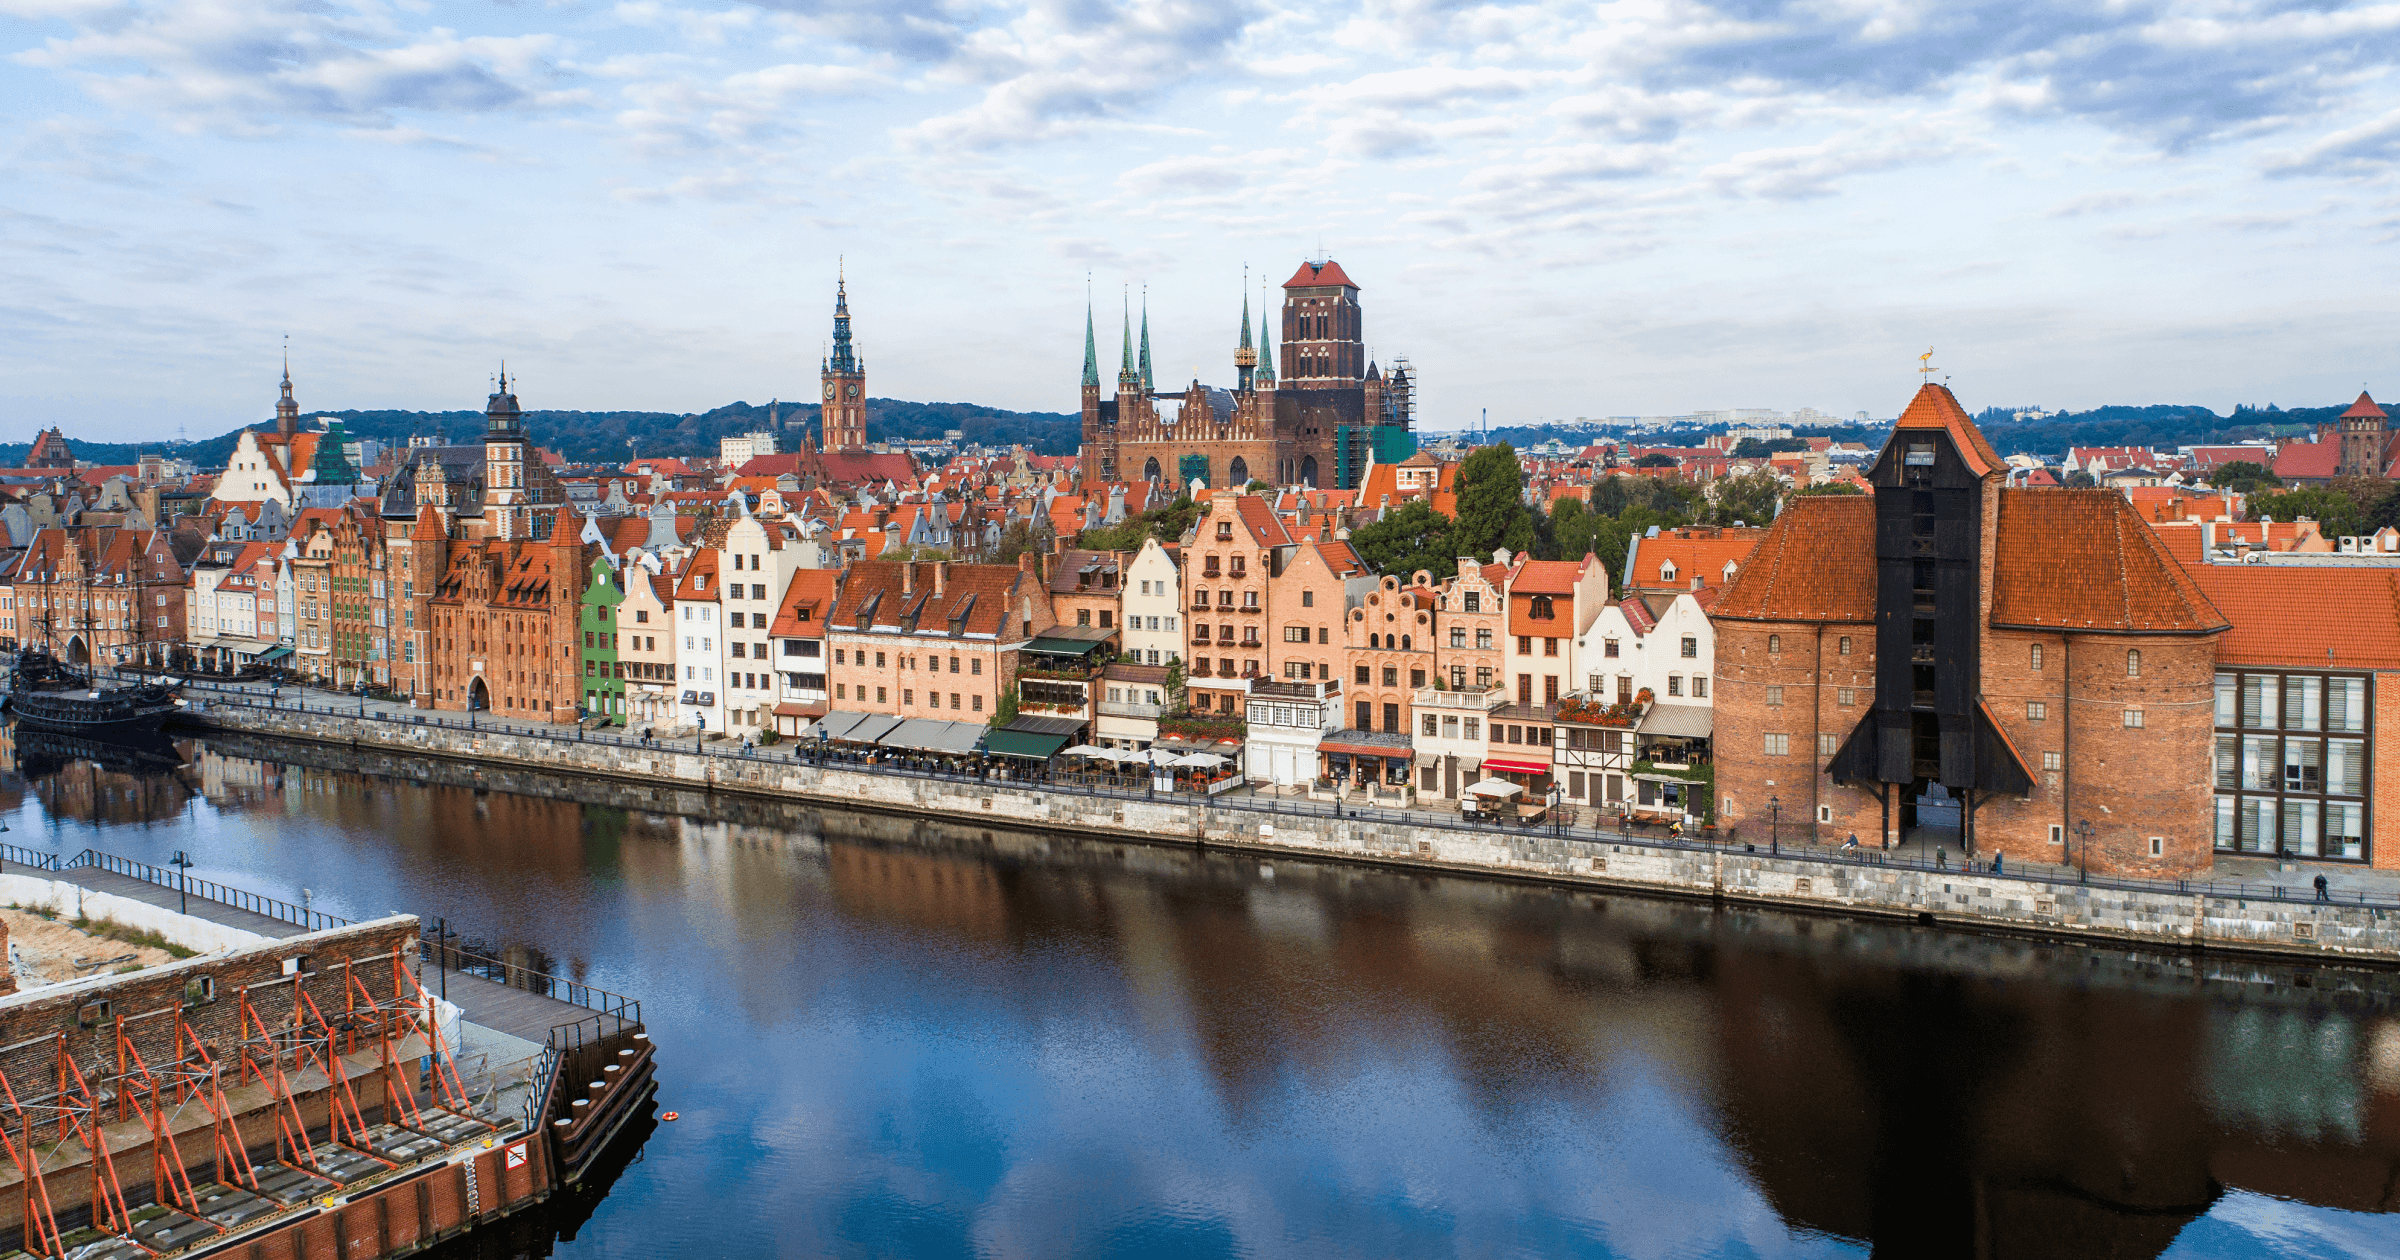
[1147, 383]
[844, 359]
[1091, 347]
[287, 411]
[1245, 355]
[1265, 376]
[1125, 373]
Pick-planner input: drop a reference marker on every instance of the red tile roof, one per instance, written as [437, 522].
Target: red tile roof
[2310, 459]
[1703, 558]
[1312, 274]
[1816, 563]
[813, 590]
[2083, 560]
[2364, 409]
[1935, 407]
[2305, 618]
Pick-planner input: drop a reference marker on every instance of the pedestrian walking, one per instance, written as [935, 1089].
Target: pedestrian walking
[2322, 894]
[1996, 862]
[1941, 858]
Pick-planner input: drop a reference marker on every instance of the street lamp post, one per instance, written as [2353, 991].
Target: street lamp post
[2083, 849]
[183, 875]
[701, 733]
[1774, 817]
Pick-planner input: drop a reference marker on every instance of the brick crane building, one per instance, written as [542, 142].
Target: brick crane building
[2016, 661]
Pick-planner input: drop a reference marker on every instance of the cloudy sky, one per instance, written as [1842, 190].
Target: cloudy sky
[1556, 210]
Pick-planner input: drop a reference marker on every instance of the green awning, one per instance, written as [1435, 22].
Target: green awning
[1049, 646]
[1024, 744]
[274, 654]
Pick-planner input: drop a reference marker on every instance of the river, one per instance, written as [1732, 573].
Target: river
[885, 1037]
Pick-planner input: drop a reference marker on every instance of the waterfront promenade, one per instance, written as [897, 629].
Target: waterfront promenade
[2261, 916]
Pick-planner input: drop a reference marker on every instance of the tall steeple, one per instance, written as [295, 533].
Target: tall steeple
[842, 417]
[1245, 355]
[287, 412]
[1091, 347]
[1264, 378]
[1125, 373]
[1147, 383]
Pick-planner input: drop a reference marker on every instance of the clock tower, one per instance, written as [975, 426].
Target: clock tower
[843, 423]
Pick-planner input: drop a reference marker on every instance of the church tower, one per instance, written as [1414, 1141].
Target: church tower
[504, 493]
[843, 426]
[1324, 333]
[287, 411]
[2363, 438]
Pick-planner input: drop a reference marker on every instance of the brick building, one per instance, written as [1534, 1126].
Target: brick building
[932, 639]
[1290, 431]
[1452, 719]
[1994, 700]
[100, 594]
[1229, 562]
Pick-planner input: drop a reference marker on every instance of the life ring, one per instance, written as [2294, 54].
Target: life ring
[669, 1116]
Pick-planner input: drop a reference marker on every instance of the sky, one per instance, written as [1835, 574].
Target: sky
[1555, 210]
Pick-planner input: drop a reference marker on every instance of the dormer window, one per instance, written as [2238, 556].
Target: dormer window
[1666, 572]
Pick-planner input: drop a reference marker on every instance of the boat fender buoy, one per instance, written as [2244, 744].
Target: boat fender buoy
[669, 1116]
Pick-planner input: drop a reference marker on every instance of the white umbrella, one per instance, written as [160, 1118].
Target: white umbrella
[1087, 750]
[1153, 756]
[1200, 759]
[1495, 787]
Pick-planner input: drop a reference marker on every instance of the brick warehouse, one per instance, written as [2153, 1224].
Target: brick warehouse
[2010, 662]
[1321, 425]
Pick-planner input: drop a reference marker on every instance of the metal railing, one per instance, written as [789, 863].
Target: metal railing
[302, 917]
[1598, 830]
[448, 957]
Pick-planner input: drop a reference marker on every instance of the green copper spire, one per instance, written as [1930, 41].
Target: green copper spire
[1266, 349]
[1147, 383]
[1125, 372]
[1245, 355]
[1091, 348]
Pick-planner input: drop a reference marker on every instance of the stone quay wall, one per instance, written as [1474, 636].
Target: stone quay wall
[1801, 882]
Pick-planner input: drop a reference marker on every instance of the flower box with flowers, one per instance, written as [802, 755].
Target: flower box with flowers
[1585, 712]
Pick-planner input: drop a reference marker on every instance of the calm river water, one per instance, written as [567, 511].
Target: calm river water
[889, 1038]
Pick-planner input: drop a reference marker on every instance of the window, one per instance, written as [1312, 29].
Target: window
[1700, 686]
[2036, 711]
[1308, 599]
[1542, 609]
[2133, 663]
[1827, 745]
[2058, 833]
[2133, 718]
[1474, 601]
[1845, 696]
[1362, 676]
[1549, 647]
[1295, 634]
[1483, 639]
[1778, 744]
[1324, 634]
[2037, 660]
[1391, 676]
[1691, 647]
[1844, 648]
[1608, 648]
[1774, 695]
[2054, 760]
[1431, 724]
[1458, 636]
[1674, 684]
[1774, 643]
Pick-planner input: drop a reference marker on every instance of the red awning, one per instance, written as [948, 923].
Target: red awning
[1517, 767]
[1363, 750]
[793, 709]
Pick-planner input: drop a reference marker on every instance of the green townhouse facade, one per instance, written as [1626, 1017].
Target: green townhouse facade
[603, 679]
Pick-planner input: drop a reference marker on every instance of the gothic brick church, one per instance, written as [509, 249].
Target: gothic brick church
[1320, 426]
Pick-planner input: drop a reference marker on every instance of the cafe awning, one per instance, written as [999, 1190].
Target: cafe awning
[275, 653]
[1030, 745]
[1356, 743]
[870, 730]
[935, 735]
[800, 708]
[1053, 645]
[1496, 765]
[838, 723]
[1678, 721]
[1661, 778]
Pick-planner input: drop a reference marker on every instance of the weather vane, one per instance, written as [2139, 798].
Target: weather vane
[1925, 363]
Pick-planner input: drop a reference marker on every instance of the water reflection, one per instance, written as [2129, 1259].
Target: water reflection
[890, 1036]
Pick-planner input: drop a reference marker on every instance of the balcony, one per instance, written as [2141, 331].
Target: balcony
[1483, 701]
[1130, 709]
[1275, 689]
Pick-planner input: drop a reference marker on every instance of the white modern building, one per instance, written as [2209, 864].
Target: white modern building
[1287, 719]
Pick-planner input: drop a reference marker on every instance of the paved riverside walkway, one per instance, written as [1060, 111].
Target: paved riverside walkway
[2344, 880]
[144, 891]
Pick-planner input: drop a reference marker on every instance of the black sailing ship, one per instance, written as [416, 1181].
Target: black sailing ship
[45, 693]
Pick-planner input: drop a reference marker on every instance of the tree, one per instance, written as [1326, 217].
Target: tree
[2334, 513]
[1615, 535]
[1655, 459]
[2243, 477]
[1754, 448]
[1749, 498]
[1491, 504]
[1572, 529]
[2081, 480]
[1407, 538]
[1612, 494]
[1256, 485]
[1830, 487]
[1019, 538]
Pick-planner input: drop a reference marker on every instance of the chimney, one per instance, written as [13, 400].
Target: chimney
[908, 578]
[1696, 580]
[1025, 562]
[941, 578]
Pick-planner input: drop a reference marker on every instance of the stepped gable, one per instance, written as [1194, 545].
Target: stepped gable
[2082, 560]
[1935, 407]
[1816, 563]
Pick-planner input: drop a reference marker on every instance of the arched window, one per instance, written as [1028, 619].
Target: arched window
[1308, 471]
[1238, 475]
[1774, 643]
[2133, 663]
[1543, 609]
[1151, 470]
[1375, 641]
[1404, 643]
